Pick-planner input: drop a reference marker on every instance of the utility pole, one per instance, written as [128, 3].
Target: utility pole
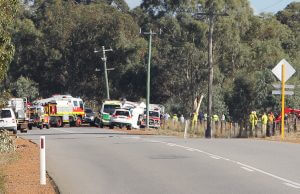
[148, 76]
[211, 16]
[105, 69]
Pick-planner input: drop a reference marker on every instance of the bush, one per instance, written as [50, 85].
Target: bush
[7, 144]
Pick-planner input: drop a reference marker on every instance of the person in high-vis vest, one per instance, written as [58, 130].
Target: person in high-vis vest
[264, 122]
[271, 119]
[253, 122]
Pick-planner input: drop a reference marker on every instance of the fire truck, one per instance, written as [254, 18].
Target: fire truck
[39, 117]
[155, 112]
[288, 111]
[63, 109]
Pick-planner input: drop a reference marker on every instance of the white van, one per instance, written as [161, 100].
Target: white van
[8, 120]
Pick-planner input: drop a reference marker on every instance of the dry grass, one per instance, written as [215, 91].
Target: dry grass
[289, 137]
[5, 158]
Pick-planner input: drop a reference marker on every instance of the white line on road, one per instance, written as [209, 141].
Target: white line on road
[291, 185]
[190, 149]
[171, 144]
[64, 130]
[215, 157]
[248, 169]
[295, 184]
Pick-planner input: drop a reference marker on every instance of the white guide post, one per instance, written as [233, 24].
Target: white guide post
[42, 160]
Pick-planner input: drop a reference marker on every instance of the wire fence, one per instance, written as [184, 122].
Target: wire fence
[222, 129]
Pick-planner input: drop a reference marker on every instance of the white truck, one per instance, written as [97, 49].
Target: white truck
[64, 109]
[19, 106]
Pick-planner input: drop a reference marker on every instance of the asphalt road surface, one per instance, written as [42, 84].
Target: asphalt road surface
[93, 160]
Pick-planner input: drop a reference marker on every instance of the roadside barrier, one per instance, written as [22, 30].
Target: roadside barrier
[42, 160]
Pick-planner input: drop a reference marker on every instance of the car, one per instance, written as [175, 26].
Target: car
[89, 116]
[121, 118]
[8, 120]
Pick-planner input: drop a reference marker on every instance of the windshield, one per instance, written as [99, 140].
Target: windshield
[88, 111]
[152, 113]
[122, 113]
[5, 114]
[81, 104]
[109, 108]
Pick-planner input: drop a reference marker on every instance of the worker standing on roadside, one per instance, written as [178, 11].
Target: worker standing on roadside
[175, 118]
[215, 118]
[253, 121]
[182, 119]
[264, 121]
[271, 118]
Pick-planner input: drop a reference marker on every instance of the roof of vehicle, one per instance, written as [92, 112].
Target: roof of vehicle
[6, 109]
[121, 109]
[112, 102]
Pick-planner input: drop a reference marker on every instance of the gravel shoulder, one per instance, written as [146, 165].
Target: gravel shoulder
[19, 172]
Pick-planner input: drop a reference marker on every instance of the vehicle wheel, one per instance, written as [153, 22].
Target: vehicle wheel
[120, 126]
[14, 132]
[78, 122]
[128, 127]
[111, 126]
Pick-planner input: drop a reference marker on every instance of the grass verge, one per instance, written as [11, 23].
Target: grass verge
[4, 159]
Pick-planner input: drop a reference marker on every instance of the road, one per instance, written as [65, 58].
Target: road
[93, 160]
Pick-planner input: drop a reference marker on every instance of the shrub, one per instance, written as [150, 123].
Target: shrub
[6, 142]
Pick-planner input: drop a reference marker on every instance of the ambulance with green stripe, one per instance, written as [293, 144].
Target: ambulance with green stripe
[107, 109]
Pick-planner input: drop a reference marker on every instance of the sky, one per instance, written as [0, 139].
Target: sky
[258, 5]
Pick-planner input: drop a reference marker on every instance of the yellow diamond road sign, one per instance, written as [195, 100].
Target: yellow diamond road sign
[289, 70]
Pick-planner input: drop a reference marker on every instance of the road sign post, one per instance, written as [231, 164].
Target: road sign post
[283, 71]
[282, 99]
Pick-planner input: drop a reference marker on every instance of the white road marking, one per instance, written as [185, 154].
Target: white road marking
[171, 144]
[248, 169]
[190, 149]
[291, 185]
[64, 130]
[290, 182]
[134, 137]
[214, 157]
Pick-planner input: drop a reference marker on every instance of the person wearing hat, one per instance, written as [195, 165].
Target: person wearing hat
[253, 122]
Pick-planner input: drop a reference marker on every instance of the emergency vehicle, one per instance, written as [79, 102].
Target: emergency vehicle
[20, 108]
[39, 117]
[63, 109]
[155, 112]
[107, 109]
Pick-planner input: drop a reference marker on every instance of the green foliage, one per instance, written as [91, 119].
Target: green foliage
[8, 10]
[6, 142]
[55, 41]
[25, 87]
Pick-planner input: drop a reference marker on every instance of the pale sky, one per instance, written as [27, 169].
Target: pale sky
[258, 5]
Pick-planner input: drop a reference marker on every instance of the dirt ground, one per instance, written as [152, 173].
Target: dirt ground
[22, 173]
[291, 138]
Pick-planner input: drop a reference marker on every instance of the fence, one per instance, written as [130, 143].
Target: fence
[222, 129]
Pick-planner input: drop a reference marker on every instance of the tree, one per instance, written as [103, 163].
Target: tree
[25, 87]
[8, 10]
